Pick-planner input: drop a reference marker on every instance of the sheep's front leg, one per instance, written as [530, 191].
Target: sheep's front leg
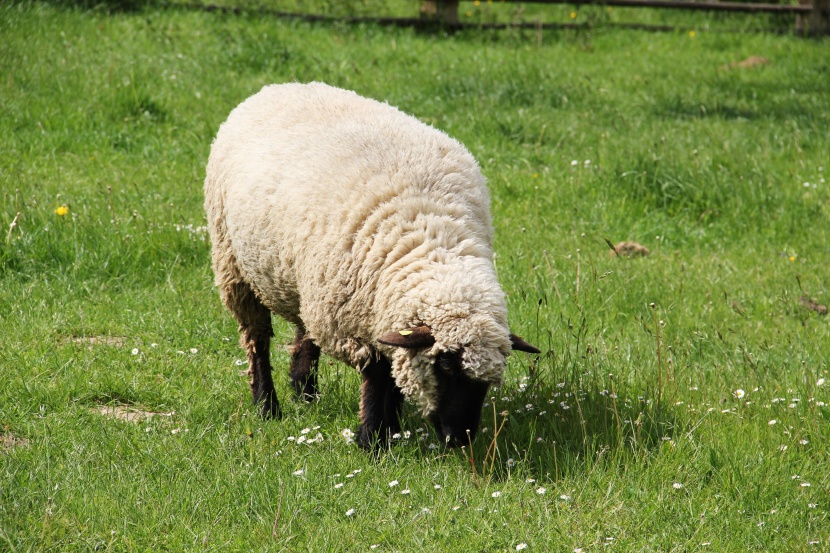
[380, 405]
[304, 357]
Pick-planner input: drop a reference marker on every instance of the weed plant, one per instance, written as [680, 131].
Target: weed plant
[680, 403]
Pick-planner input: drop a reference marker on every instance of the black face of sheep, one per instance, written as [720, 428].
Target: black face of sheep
[460, 397]
[460, 401]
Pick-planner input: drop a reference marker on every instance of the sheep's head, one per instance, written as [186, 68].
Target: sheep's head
[458, 397]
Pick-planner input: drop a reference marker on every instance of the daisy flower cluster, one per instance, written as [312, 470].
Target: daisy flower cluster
[199, 232]
[139, 353]
[576, 163]
[349, 476]
[305, 438]
[817, 181]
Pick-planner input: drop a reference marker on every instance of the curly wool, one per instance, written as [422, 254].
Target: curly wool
[352, 219]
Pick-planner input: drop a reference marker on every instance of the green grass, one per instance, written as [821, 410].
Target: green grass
[630, 420]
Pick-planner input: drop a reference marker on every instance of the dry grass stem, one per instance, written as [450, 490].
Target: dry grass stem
[11, 227]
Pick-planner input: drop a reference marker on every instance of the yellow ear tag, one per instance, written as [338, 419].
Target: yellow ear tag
[405, 332]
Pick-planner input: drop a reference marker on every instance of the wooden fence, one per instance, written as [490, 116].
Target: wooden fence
[811, 16]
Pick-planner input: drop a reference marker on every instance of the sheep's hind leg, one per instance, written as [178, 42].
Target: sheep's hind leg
[304, 357]
[255, 334]
[380, 405]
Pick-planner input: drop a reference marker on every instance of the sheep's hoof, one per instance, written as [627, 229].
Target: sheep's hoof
[368, 440]
[306, 389]
[270, 407]
[374, 441]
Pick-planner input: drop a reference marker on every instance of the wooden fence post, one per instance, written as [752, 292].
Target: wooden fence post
[445, 11]
[817, 22]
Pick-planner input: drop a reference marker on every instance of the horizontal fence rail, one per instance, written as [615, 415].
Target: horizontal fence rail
[812, 16]
[685, 5]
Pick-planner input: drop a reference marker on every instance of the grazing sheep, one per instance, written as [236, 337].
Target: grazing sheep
[370, 232]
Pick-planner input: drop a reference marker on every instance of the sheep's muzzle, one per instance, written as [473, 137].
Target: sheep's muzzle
[460, 399]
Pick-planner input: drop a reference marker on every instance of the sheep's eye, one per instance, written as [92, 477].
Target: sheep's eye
[449, 362]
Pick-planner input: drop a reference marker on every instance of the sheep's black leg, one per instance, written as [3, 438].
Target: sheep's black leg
[304, 357]
[255, 334]
[262, 383]
[392, 407]
[380, 405]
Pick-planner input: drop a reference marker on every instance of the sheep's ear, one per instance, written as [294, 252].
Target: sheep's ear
[411, 338]
[520, 345]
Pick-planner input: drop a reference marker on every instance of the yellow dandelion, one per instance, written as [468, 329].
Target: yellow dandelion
[572, 15]
[792, 258]
[477, 2]
[62, 210]
[691, 34]
[535, 175]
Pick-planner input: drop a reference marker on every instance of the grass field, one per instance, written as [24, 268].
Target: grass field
[680, 403]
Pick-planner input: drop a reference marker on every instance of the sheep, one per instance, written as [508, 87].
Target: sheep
[370, 232]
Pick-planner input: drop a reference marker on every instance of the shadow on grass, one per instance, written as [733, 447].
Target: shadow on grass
[552, 431]
[748, 98]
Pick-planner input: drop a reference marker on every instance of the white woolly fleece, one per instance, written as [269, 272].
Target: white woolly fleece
[352, 219]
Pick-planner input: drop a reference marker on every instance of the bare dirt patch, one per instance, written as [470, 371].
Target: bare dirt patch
[10, 441]
[127, 413]
[748, 63]
[628, 249]
[812, 305]
[92, 341]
